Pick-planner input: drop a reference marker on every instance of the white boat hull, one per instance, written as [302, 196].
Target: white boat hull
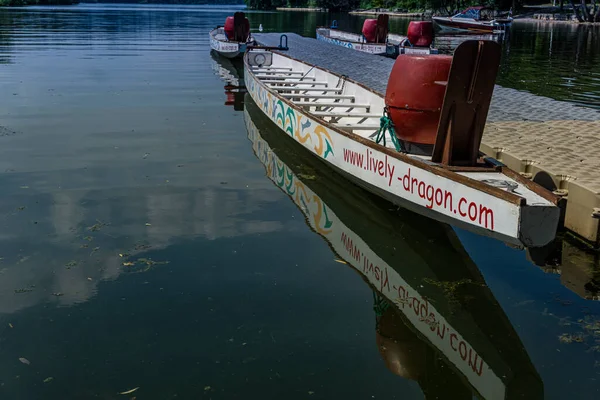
[223, 47]
[469, 25]
[356, 42]
[351, 41]
[465, 199]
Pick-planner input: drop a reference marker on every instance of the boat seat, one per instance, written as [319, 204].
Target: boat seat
[317, 96]
[284, 77]
[279, 81]
[466, 103]
[334, 105]
[293, 89]
[284, 72]
[343, 115]
[382, 29]
[359, 127]
[272, 69]
[241, 27]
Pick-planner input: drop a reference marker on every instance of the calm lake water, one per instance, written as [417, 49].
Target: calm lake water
[159, 244]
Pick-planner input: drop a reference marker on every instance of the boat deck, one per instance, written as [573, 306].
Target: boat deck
[529, 133]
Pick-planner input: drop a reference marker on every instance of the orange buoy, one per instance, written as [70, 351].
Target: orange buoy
[415, 94]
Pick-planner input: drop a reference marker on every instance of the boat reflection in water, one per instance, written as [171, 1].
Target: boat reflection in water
[436, 321]
[232, 72]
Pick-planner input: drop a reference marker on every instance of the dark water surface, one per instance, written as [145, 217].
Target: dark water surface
[154, 238]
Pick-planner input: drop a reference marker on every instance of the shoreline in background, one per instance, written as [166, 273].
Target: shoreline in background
[391, 13]
[310, 9]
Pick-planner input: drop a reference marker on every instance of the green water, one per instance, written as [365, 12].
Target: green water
[154, 238]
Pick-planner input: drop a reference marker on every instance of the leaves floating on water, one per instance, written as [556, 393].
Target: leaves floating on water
[568, 338]
[142, 246]
[58, 294]
[130, 391]
[207, 388]
[21, 208]
[71, 264]
[144, 263]
[340, 261]
[48, 379]
[88, 238]
[451, 288]
[24, 361]
[10, 325]
[306, 177]
[148, 224]
[97, 226]
[23, 290]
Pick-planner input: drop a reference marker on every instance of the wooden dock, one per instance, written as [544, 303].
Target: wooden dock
[552, 142]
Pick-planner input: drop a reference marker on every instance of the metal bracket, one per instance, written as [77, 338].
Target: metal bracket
[561, 192]
[527, 175]
[281, 46]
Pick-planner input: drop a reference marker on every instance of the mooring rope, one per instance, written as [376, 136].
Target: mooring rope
[387, 125]
[379, 304]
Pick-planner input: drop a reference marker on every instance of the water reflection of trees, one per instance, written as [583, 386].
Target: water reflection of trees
[554, 59]
[6, 20]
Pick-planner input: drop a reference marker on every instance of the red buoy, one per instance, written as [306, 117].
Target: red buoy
[415, 94]
[230, 98]
[369, 30]
[420, 33]
[237, 28]
[229, 28]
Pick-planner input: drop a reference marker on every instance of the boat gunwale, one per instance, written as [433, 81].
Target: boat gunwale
[349, 41]
[447, 172]
[471, 26]
[212, 35]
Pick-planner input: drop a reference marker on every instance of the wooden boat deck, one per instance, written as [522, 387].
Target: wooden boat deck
[340, 110]
[529, 133]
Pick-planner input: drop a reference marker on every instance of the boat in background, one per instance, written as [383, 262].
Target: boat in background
[376, 39]
[475, 19]
[450, 40]
[232, 39]
[456, 341]
[429, 161]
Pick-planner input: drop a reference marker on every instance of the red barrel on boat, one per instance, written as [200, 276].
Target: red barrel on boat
[369, 30]
[229, 28]
[420, 33]
[415, 94]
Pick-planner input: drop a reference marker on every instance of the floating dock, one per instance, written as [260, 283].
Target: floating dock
[555, 143]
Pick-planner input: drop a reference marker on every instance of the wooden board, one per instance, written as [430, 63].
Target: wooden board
[466, 103]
